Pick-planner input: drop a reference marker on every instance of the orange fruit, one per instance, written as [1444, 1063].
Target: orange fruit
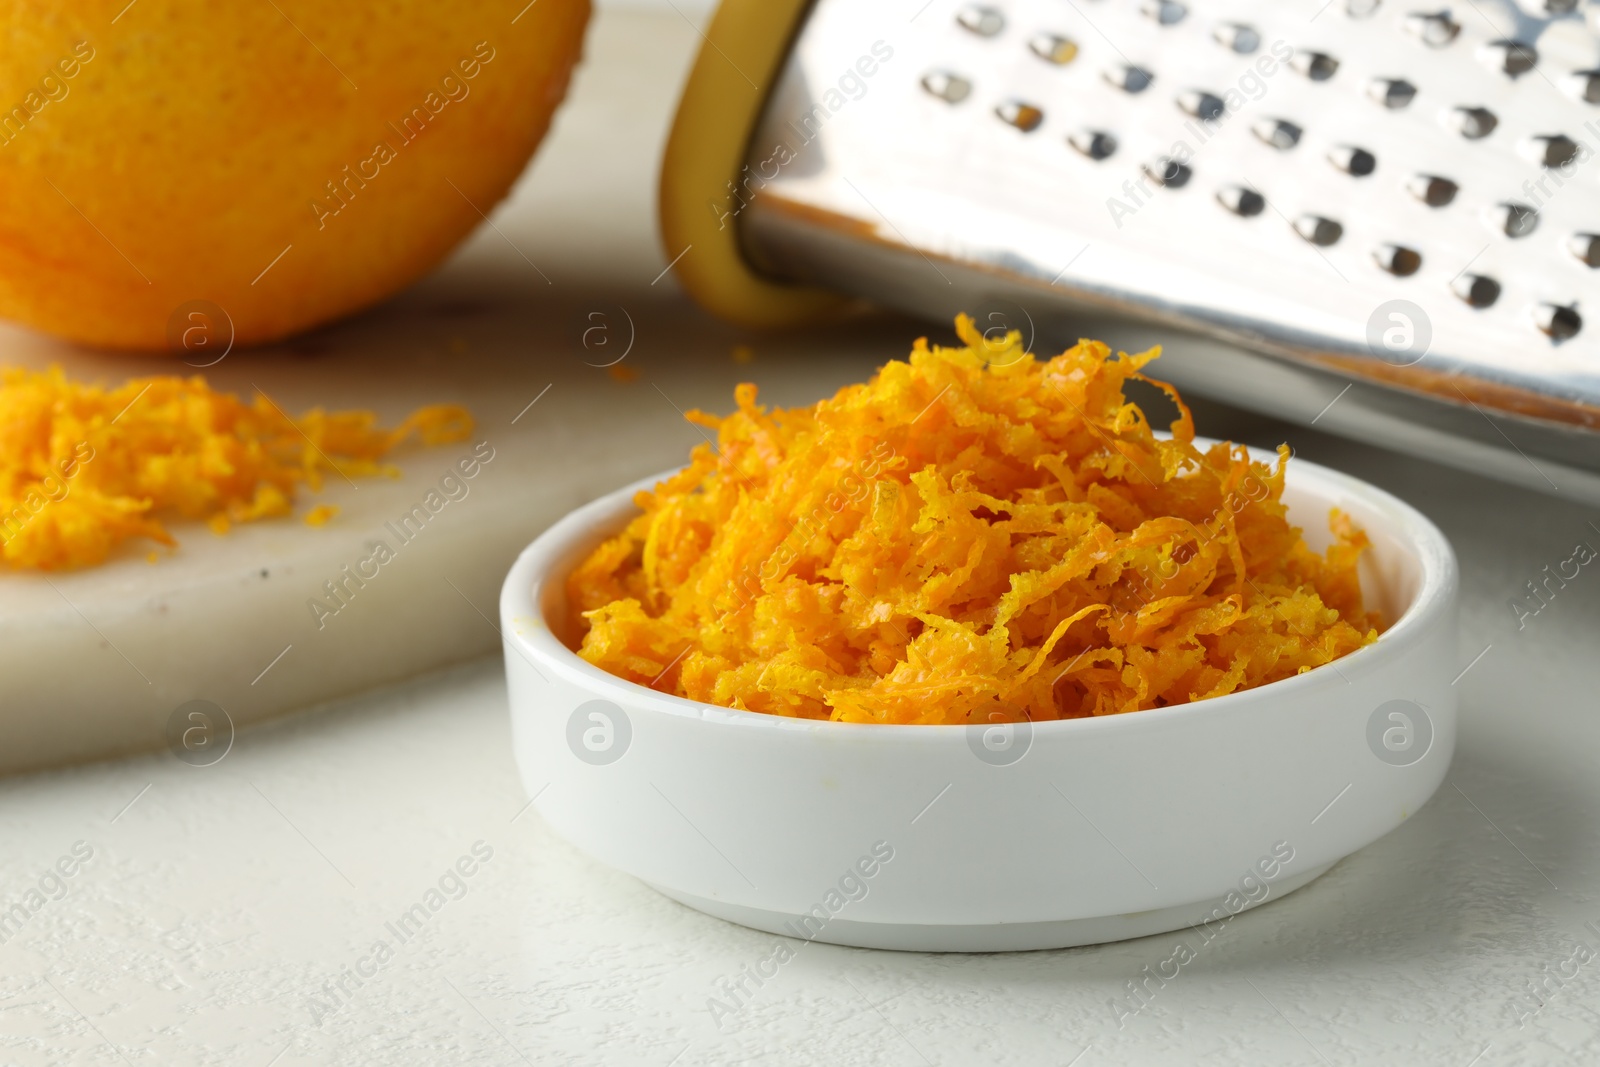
[192, 172]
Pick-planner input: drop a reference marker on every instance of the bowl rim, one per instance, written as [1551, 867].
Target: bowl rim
[528, 633]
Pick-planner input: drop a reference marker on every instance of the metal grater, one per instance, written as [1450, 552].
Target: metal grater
[1381, 216]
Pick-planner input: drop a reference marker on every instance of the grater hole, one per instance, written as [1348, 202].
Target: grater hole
[1023, 116]
[1279, 133]
[1478, 290]
[1096, 144]
[1392, 93]
[1318, 66]
[1398, 260]
[1361, 9]
[1555, 149]
[1586, 83]
[1208, 107]
[1559, 322]
[1511, 58]
[1318, 230]
[951, 88]
[1166, 12]
[1168, 172]
[1130, 79]
[1053, 48]
[1356, 162]
[1514, 219]
[1238, 37]
[1586, 246]
[1434, 30]
[1432, 189]
[1474, 123]
[982, 20]
[1242, 201]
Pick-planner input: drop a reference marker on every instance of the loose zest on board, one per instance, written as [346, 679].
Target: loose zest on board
[84, 468]
[972, 536]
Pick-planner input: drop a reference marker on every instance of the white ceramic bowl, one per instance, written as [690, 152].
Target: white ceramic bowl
[945, 838]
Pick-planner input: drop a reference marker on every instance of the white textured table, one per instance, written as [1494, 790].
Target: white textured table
[220, 907]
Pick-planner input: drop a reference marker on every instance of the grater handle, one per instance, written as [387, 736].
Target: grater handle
[743, 55]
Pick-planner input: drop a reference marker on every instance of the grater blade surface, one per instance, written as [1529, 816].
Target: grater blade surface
[1403, 197]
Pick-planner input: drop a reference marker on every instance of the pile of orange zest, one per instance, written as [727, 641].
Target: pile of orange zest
[973, 536]
[85, 468]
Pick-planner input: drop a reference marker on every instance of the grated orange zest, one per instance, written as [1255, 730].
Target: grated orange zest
[84, 468]
[972, 536]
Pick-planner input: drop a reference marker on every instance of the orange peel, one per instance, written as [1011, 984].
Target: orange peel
[973, 536]
[84, 468]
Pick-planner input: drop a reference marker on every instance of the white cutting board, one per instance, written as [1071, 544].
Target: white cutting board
[96, 664]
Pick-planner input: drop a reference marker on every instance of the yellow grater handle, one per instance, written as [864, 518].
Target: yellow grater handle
[746, 43]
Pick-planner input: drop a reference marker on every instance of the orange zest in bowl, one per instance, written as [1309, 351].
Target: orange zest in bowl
[84, 468]
[973, 536]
